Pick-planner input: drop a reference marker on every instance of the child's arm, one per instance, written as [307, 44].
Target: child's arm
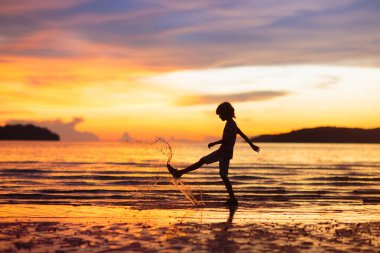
[214, 143]
[254, 147]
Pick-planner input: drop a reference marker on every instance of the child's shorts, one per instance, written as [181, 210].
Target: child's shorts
[215, 156]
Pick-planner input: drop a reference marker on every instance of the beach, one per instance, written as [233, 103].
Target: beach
[189, 126]
[77, 197]
[76, 229]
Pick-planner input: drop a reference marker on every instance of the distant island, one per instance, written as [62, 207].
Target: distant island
[325, 135]
[27, 132]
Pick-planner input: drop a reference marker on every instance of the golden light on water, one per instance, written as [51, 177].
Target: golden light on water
[134, 73]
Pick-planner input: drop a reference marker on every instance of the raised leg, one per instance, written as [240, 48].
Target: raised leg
[192, 167]
[178, 173]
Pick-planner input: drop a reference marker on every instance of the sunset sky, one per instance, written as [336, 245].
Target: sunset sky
[100, 69]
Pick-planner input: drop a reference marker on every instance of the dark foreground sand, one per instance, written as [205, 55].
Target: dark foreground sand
[206, 230]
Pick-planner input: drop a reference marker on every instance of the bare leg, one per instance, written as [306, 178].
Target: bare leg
[178, 173]
[228, 185]
[192, 167]
[223, 172]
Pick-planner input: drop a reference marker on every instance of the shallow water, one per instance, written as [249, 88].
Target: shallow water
[134, 175]
[102, 197]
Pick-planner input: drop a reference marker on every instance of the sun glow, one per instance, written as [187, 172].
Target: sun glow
[267, 99]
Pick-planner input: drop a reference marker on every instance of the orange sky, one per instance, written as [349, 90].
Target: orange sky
[161, 70]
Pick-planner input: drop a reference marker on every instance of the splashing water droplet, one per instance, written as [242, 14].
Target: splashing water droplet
[165, 148]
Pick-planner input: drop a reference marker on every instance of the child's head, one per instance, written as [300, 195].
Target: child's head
[225, 111]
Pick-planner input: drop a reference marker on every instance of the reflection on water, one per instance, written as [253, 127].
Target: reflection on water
[109, 228]
[134, 175]
[224, 240]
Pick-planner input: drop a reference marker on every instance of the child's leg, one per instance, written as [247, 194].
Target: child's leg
[223, 172]
[194, 166]
[210, 158]
[178, 173]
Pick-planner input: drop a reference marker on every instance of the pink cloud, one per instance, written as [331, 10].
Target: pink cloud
[66, 130]
[15, 7]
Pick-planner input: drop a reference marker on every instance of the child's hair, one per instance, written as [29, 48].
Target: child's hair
[226, 109]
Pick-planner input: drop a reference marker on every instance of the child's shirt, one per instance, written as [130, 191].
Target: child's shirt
[229, 139]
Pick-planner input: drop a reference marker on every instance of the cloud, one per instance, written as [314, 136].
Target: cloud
[126, 137]
[239, 97]
[66, 130]
[330, 81]
[49, 80]
[11, 7]
[196, 34]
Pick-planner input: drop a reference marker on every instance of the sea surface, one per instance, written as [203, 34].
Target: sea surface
[134, 175]
[102, 197]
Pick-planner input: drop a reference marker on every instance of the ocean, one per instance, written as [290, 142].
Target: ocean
[134, 175]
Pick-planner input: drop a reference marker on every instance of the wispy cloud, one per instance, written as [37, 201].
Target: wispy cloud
[331, 80]
[196, 34]
[11, 7]
[94, 58]
[239, 97]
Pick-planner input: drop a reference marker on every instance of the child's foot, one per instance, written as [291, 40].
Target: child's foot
[231, 202]
[175, 173]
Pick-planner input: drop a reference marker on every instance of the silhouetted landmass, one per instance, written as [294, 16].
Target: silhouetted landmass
[27, 132]
[325, 135]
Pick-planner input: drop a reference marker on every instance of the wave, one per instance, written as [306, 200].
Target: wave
[371, 200]
[133, 164]
[133, 182]
[245, 177]
[341, 184]
[366, 191]
[345, 178]
[131, 172]
[48, 196]
[23, 171]
[19, 162]
[91, 191]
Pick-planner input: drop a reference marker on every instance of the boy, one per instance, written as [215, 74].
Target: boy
[225, 152]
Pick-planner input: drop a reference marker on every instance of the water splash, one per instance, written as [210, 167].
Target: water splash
[165, 148]
[185, 189]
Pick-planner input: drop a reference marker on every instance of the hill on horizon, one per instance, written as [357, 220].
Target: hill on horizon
[324, 135]
[27, 132]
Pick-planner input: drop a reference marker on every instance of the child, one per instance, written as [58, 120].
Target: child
[225, 152]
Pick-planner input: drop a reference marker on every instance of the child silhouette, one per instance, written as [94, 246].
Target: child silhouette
[225, 152]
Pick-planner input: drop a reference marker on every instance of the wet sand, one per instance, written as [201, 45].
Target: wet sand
[115, 229]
